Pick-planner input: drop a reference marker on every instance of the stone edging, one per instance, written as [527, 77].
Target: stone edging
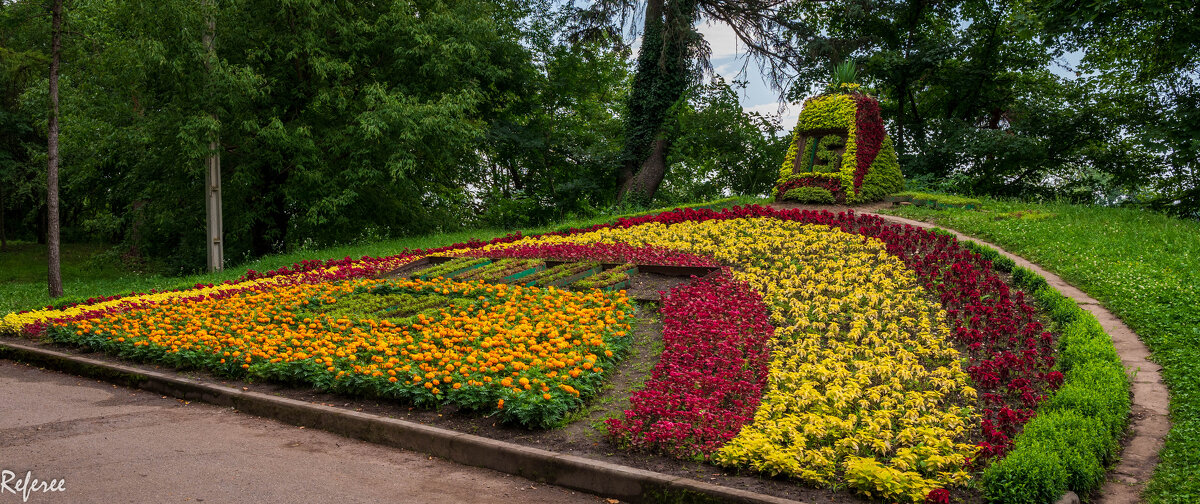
[593, 476]
[1148, 413]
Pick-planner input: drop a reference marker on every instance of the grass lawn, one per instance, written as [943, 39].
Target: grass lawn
[23, 267]
[1142, 266]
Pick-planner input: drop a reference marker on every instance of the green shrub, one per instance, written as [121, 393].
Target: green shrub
[1084, 341]
[1032, 473]
[1097, 390]
[809, 195]
[1027, 279]
[1082, 443]
[1062, 310]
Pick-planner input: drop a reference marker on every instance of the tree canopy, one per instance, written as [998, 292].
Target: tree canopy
[350, 120]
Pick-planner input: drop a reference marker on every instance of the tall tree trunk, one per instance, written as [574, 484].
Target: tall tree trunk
[664, 71]
[214, 240]
[640, 123]
[55, 274]
[646, 181]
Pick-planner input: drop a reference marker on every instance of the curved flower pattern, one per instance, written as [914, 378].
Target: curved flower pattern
[835, 349]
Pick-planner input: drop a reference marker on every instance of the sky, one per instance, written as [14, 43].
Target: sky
[728, 58]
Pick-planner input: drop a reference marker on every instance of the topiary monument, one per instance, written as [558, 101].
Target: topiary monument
[839, 152]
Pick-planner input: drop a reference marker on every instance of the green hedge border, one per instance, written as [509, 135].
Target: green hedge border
[1077, 432]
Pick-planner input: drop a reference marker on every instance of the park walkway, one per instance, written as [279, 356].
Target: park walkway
[114, 444]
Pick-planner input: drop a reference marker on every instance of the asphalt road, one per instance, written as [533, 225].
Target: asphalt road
[111, 444]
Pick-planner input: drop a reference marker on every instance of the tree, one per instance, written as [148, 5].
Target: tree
[1147, 54]
[214, 240]
[550, 152]
[22, 63]
[338, 121]
[719, 148]
[54, 273]
[969, 94]
[673, 56]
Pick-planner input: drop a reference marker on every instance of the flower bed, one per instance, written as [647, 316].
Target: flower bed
[862, 376]
[901, 361]
[597, 252]
[612, 278]
[710, 376]
[529, 355]
[500, 269]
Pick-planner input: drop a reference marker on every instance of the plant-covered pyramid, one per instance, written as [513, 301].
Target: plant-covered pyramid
[839, 153]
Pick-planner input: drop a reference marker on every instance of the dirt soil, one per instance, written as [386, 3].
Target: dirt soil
[651, 286]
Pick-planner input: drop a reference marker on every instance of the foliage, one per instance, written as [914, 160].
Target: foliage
[338, 122]
[452, 267]
[717, 147]
[844, 78]
[1142, 266]
[810, 195]
[550, 153]
[606, 279]
[944, 199]
[1030, 474]
[560, 274]
[980, 100]
[673, 55]
[1146, 56]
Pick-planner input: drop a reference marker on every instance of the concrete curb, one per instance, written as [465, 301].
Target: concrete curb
[578, 473]
[1149, 421]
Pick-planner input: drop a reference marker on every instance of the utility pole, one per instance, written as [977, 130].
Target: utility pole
[54, 273]
[212, 185]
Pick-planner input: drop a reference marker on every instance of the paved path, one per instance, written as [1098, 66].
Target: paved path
[113, 444]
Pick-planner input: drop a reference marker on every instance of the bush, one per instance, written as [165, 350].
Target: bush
[1027, 279]
[809, 195]
[1097, 390]
[1032, 473]
[1081, 442]
[1084, 341]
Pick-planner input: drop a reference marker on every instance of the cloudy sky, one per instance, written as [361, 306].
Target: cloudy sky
[728, 59]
